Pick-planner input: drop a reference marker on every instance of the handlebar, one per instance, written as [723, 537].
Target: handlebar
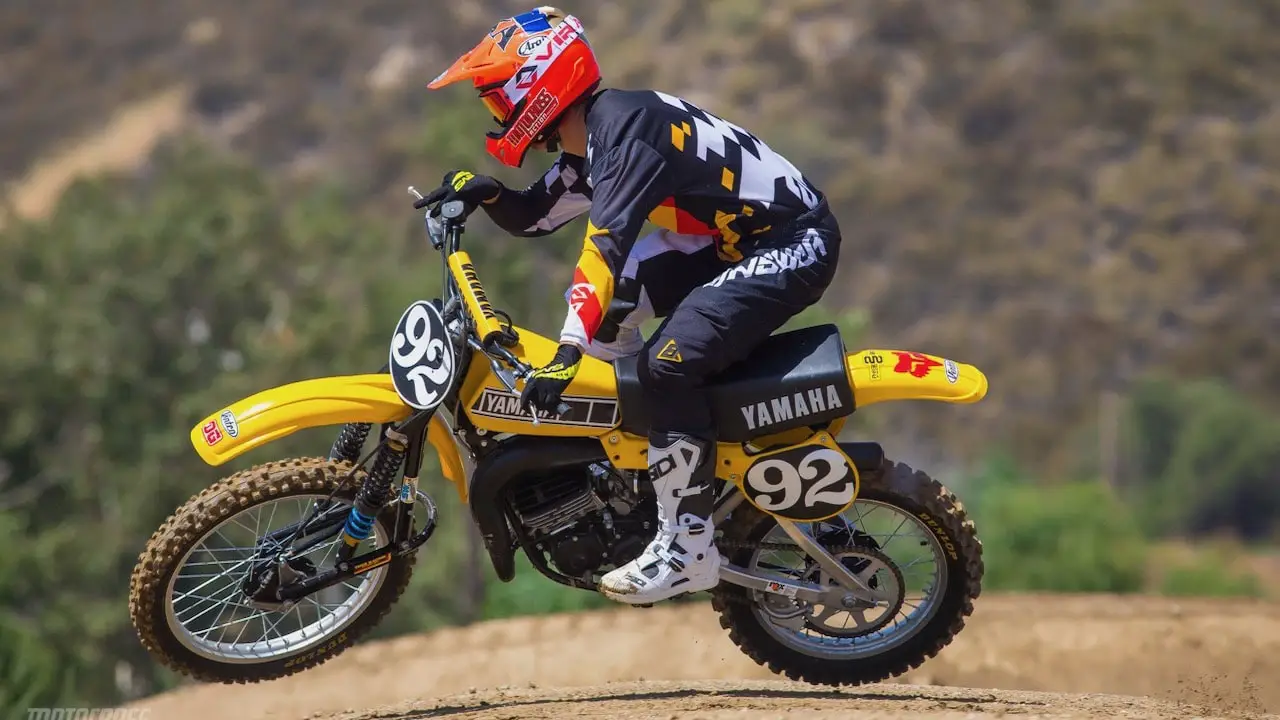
[444, 237]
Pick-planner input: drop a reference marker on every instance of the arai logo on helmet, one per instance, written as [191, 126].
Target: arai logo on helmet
[543, 55]
[530, 46]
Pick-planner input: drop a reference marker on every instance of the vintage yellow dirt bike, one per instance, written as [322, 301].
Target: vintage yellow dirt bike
[842, 567]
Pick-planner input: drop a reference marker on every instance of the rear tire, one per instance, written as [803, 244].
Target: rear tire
[169, 546]
[919, 496]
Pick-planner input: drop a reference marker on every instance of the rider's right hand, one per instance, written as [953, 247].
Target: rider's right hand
[466, 186]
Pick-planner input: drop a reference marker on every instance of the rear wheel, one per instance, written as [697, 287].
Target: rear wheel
[186, 596]
[906, 534]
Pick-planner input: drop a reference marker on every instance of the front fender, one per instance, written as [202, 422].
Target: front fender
[882, 375]
[269, 415]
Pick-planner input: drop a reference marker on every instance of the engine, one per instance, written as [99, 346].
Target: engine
[586, 521]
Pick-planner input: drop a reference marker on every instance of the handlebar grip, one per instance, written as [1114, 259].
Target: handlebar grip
[431, 197]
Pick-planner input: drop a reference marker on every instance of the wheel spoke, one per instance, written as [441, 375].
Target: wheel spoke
[209, 614]
[832, 630]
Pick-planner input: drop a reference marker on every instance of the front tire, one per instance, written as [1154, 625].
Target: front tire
[917, 496]
[152, 591]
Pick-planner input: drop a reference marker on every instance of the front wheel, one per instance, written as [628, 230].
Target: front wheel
[907, 534]
[187, 597]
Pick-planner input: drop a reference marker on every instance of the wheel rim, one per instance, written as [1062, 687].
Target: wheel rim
[920, 579]
[209, 615]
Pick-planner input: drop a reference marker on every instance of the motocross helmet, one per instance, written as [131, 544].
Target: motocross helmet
[528, 71]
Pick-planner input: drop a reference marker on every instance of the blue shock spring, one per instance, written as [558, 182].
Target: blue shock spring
[373, 494]
[359, 526]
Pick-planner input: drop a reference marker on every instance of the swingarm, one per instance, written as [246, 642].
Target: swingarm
[848, 592]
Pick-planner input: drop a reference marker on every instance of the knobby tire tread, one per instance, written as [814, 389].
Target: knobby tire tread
[912, 491]
[149, 583]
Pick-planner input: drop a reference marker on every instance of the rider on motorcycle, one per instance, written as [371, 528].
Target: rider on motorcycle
[744, 242]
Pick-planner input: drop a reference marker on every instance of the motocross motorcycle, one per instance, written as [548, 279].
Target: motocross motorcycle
[840, 566]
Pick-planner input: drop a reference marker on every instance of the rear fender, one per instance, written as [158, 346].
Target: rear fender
[882, 375]
[272, 414]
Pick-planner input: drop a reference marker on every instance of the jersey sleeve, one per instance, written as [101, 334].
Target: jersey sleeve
[557, 197]
[628, 183]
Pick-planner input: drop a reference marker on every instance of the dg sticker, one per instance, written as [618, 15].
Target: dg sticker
[805, 483]
[421, 362]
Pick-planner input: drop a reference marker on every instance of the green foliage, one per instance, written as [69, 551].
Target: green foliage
[852, 322]
[1073, 537]
[30, 672]
[1034, 216]
[1057, 192]
[1206, 459]
[1208, 576]
[529, 593]
[143, 304]
[135, 310]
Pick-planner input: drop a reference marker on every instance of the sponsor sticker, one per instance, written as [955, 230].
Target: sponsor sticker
[914, 364]
[228, 420]
[873, 361]
[541, 57]
[530, 46]
[953, 371]
[785, 590]
[535, 117]
[372, 563]
[212, 433]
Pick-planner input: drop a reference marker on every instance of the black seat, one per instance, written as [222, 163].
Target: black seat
[792, 379]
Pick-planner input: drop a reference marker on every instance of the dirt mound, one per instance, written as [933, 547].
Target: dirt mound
[1219, 655]
[765, 699]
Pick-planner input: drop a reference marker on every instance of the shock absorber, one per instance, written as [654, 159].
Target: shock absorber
[349, 442]
[373, 494]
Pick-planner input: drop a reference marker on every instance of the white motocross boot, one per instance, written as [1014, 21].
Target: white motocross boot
[682, 557]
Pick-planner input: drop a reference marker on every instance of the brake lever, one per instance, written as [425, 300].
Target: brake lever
[520, 371]
[505, 375]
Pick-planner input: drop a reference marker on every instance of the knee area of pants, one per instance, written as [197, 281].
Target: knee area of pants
[660, 376]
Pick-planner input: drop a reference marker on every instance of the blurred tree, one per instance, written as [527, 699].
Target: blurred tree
[1070, 537]
[136, 309]
[1205, 460]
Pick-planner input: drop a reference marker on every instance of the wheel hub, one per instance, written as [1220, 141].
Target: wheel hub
[875, 569]
[261, 585]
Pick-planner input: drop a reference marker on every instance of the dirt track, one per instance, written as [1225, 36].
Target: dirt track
[1181, 659]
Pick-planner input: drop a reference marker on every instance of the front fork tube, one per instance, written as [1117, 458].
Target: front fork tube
[399, 448]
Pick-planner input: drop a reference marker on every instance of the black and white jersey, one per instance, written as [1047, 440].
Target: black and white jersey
[652, 156]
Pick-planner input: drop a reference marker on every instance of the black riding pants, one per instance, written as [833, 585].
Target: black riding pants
[724, 317]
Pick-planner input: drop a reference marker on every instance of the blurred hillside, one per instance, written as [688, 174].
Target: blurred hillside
[1079, 197]
[1069, 195]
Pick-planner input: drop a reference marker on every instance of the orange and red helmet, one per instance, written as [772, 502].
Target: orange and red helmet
[528, 70]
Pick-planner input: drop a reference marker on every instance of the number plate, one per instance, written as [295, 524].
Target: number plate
[805, 483]
[422, 361]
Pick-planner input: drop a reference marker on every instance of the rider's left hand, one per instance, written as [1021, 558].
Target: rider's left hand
[543, 387]
[466, 186]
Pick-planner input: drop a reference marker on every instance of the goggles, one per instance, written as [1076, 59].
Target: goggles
[495, 101]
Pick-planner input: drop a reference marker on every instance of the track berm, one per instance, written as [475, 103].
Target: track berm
[1023, 656]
